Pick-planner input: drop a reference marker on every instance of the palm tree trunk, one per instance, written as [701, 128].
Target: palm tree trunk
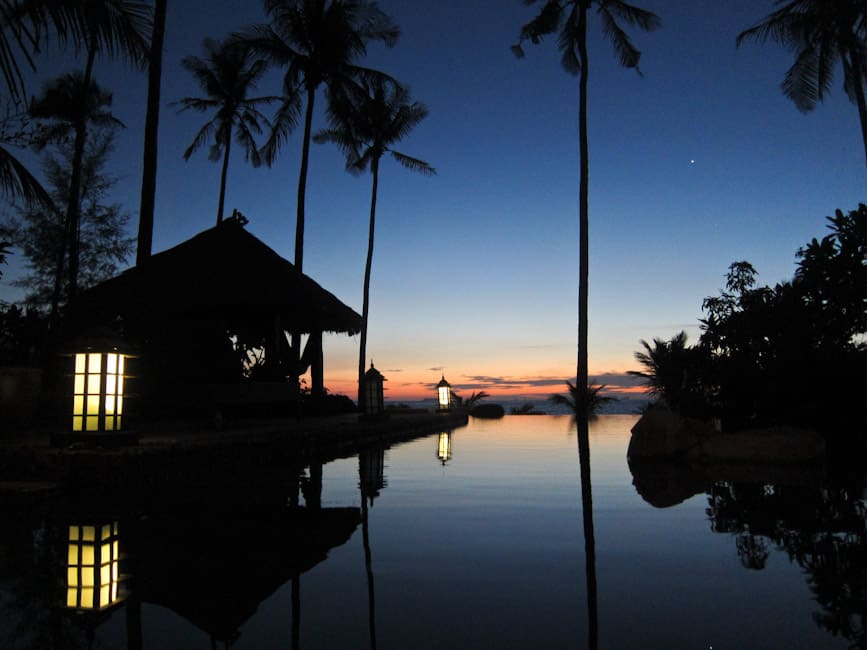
[302, 182]
[152, 117]
[223, 179]
[365, 300]
[299, 215]
[583, 217]
[582, 415]
[856, 74]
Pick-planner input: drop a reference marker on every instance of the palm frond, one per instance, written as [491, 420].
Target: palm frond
[414, 164]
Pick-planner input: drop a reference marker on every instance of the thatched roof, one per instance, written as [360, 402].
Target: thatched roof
[222, 273]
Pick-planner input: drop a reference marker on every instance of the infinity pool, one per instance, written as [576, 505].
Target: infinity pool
[466, 539]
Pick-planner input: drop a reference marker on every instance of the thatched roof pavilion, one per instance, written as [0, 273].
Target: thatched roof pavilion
[222, 280]
[224, 272]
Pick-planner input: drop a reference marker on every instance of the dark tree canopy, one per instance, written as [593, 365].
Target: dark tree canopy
[104, 241]
[794, 353]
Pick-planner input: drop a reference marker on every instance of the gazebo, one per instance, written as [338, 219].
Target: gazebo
[187, 309]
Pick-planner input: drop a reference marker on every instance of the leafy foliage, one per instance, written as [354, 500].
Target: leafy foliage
[820, 33]
[22, 335]
[38, 229]
[586, 405]
[794, 353]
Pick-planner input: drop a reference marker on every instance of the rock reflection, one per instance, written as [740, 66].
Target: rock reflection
[818, 524]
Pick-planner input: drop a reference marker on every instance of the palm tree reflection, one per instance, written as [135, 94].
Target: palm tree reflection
[371, 475]
[583, 426]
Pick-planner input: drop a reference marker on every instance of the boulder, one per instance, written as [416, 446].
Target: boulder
[661, 433]
[491, 411]
[769, 445]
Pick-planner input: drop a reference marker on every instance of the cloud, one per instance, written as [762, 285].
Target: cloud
[395, 370]
[439, 369]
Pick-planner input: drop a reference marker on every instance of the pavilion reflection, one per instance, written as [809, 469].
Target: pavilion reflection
[211, 565]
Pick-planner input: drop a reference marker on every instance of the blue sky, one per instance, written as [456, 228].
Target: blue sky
[475, 269]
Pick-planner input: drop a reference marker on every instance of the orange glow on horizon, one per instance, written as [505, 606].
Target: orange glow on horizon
[404, 386]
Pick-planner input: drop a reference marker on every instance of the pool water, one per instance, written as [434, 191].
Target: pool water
[465, 539]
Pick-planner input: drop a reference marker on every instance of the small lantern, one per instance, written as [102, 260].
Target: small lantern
[444, 447]
[372, 393]
[98, 389]
[92, 567]
[444, 394]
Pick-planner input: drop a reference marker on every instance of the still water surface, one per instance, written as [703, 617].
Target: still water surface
[471, 540]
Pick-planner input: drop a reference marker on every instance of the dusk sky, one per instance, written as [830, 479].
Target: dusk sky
[699, 163]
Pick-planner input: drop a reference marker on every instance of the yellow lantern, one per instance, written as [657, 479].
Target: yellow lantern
[92, 568]
[444, 394]
[444, 447]
[98, 391]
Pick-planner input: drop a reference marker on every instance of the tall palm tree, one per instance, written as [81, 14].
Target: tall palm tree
[569, 19]
[145, 238]
[365, 128]
[67, 106]
[113, 27]
[227, 74]
[819, 33]
[318, 42]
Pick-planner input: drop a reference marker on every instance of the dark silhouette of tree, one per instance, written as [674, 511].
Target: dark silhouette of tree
[4, 251]
[227, 75]
[152, 119]
[68, 106]
[365, 128]
[819, 33]
[673, 373]
[568, 18]
[582, 406]
[112, 27]
[832, 278]
[38, 229]
[317, 42]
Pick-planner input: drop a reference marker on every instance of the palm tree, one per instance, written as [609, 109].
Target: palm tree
[227, 74]
[819, 33]
[67, 106]
[317, 42]
[365, 128]
[583, 406]
[569, 18]
[145, 238]
[115, 27]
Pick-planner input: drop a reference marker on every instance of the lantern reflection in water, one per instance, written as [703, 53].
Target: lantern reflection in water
[444, 447]
[92, 574]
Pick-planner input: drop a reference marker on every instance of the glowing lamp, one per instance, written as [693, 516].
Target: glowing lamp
[97, 390]
[444, 447]
[444, 394]
[372, 392]
[92, 568]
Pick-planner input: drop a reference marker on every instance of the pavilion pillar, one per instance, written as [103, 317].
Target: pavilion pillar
[317, 373]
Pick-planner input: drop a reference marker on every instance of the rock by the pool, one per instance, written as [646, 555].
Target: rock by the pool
[661, 433]
[490, 411]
